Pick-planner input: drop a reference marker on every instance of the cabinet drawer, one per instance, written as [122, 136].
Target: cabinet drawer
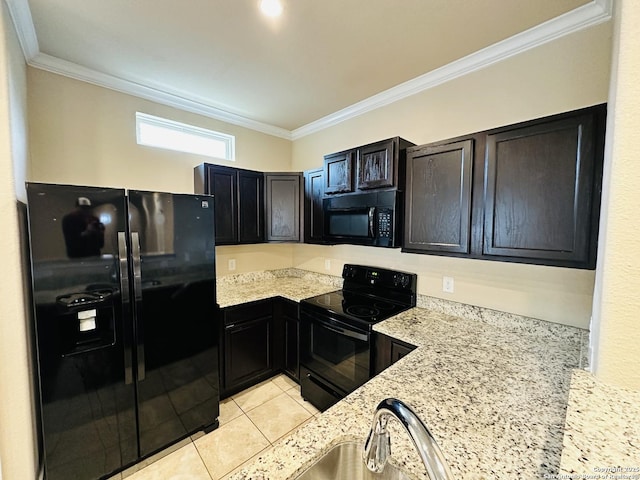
[247, 311]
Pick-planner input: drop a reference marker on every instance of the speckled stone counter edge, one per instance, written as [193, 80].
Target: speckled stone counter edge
[602, 431]
[536, 330]
[489, 316]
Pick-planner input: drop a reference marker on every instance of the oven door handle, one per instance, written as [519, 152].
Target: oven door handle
[346, 333]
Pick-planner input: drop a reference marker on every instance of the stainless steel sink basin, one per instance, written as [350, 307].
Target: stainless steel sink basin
[344, 461]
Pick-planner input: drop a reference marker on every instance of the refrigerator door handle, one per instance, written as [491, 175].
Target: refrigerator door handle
[137, 288]
[126, 307]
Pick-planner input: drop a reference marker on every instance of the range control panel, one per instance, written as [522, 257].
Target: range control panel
[379, 277]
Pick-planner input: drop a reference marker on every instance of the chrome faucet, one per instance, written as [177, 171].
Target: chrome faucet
[378, 445]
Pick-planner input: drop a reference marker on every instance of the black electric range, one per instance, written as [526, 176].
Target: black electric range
[336, 327]
[368, 295]
[359, 310]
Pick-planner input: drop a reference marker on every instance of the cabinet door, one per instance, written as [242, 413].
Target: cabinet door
[247, 352]
[313, 214]
[376, 166]
[539, 186]
[388, 351]
[337, 172]
[399, 350]
[222, 183]
[250, 207]
[438, 206]
[285, 336]
[283, 207]
[291, 321]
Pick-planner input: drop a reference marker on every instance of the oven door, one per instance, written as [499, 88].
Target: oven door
[334, 351]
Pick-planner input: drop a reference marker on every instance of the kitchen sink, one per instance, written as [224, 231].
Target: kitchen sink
[344, 461]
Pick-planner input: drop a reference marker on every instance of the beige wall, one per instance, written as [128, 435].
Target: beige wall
[616, 331]
[84, 134]
[81, 133]
[254, 258]
[17, 440]
[569, 73]
[565, 74]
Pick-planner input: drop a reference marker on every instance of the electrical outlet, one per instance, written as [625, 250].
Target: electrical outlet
[327, 264]
[232, 264]
[447, 284]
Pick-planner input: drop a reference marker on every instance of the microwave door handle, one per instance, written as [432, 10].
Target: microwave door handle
[372, 212]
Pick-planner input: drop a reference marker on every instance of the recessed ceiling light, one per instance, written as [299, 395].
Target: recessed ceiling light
[271, 8]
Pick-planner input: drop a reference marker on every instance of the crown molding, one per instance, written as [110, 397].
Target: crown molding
[22, 21]
[593, 13]
[78, 72]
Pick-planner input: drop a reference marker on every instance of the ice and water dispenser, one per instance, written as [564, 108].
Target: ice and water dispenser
[85, 321]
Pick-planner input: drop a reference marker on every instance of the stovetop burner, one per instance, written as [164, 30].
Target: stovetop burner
[362, 311]
[349, 305]
[368, 296]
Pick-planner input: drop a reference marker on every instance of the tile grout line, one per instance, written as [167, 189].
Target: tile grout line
[289, 387]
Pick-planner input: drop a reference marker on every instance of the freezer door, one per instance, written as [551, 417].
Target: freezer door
[87, 409]
[175, 315]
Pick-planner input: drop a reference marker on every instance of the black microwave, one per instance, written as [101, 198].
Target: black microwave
[363, 219]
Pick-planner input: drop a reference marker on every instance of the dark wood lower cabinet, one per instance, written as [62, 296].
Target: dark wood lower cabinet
[389, 350]
[286, 319]
[247, 345]
[247, 351]
[258, 340]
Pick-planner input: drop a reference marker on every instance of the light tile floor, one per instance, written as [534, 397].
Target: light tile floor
[250, 422]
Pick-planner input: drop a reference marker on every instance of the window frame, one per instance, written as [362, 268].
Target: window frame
[184, 128]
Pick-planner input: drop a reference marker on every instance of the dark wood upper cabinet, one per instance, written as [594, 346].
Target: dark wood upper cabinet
[438, 193]
[527, 193]
[224, 186]
[539, 194]
[382, 164]
[338, 168]
[367, 167]
[376, 166]
[283, 206]
[238, 202]
[313, 214]
[250, 206]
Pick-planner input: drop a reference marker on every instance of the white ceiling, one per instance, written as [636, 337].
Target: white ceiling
[319, 62]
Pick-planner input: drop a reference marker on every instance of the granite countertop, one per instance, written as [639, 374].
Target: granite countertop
[602, 431]
[493, 397]
[493, 388]
[289, 283]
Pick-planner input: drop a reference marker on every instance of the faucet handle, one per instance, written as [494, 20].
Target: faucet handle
[377, 447]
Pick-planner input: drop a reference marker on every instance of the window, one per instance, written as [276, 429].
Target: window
[162, 133]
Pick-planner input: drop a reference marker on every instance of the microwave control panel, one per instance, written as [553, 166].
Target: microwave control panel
[385, 222]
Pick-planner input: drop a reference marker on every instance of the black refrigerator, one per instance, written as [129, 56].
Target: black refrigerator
[125, 313]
